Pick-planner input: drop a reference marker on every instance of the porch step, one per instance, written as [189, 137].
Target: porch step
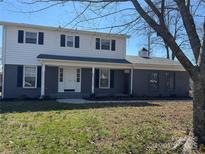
[67, 95]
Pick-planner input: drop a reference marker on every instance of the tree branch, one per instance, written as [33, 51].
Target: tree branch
[190, 28]
[166, 35]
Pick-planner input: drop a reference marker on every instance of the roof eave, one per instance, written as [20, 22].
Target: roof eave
[3, 23]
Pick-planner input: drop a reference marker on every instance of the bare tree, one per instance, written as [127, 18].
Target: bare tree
[155, 14]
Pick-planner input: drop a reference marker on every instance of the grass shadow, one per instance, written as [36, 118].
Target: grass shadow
[36, 106]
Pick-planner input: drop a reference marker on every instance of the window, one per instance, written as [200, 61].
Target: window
[78, 75]
[31, 37]
[104, 78]
[30, 76]
[61, 75]
[169, 80]
[105, 44]
[153, 81]
[70, 41]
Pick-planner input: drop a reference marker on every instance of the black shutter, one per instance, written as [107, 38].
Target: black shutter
[111, 78]
[96, 78]
[97, 45]
[40, 38]
[113, 45]
[77, 41]
[62, 41]
[20, 76]
[20, 36]
[39, 77]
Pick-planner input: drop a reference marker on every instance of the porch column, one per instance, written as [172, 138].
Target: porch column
[93, 79]
[131, 82]
[42, 80]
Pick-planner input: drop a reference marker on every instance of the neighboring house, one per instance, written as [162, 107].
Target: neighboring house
[43, 61]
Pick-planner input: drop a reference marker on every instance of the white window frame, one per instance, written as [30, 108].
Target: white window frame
[67, 40]
[36, 37]
[24, 72]
[101, 44]
[100, 70]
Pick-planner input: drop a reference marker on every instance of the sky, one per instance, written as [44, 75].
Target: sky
[13, 11]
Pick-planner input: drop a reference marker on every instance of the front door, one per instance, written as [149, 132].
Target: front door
[69, 79]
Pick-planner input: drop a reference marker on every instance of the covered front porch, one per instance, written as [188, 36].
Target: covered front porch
[62, 78]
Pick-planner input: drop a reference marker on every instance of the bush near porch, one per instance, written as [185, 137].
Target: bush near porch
[50, 127]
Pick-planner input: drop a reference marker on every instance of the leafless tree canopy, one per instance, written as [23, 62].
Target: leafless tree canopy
[120, 16]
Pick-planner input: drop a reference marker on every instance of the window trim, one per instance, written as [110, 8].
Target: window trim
[100, 70]
[31, 32]
[24, 76]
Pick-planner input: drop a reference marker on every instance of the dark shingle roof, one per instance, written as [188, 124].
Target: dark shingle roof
[151, 60]
[87, 59]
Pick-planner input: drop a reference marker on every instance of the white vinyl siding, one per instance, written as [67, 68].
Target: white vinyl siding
[25, 54]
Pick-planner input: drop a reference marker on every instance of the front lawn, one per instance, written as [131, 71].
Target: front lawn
[50, 127]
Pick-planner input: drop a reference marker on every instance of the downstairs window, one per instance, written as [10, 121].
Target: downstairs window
[104, 78]
[30, 77]
[154, 81]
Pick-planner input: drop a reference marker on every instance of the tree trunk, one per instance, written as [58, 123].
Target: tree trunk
[173, 56]
[199, 110]
[167, 49]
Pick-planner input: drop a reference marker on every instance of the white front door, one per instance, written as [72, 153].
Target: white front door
[69, 79]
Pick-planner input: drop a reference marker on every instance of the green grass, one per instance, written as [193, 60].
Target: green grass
[49, 127]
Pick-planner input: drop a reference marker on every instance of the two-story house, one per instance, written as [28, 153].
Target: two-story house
[43, 61]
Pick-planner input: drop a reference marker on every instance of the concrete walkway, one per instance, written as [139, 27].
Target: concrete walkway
[83, 101]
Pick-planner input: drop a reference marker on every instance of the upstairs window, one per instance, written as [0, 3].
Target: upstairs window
[30, 76]
[154, 81]
[169, 81]
[105, 44]
[70, 41]
[31, 37]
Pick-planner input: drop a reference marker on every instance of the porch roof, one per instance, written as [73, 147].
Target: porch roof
[85, 59]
